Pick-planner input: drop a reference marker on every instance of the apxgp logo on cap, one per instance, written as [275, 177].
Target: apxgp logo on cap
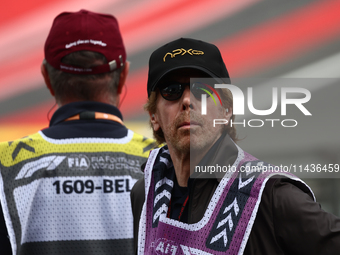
[182, 52]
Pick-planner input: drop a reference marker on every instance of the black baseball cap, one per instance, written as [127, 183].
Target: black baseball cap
[186, 53]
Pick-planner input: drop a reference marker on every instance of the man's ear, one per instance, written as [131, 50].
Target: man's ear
[46, 78]
[154, 121]
[228, 113]
[123, 76]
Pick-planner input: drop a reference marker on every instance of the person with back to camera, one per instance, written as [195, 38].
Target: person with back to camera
[178, 210]
[65, 190]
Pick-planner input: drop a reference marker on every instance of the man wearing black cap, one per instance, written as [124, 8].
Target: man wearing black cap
[65, 190]
[236, 209]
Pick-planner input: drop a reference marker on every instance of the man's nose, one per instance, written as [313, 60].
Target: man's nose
[186, 103]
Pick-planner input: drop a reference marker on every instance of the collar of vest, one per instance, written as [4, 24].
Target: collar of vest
[71, 109]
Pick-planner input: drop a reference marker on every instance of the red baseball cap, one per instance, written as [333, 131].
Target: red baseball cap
[85, 30]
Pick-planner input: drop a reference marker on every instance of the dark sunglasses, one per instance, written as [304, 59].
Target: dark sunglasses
[174, 90]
